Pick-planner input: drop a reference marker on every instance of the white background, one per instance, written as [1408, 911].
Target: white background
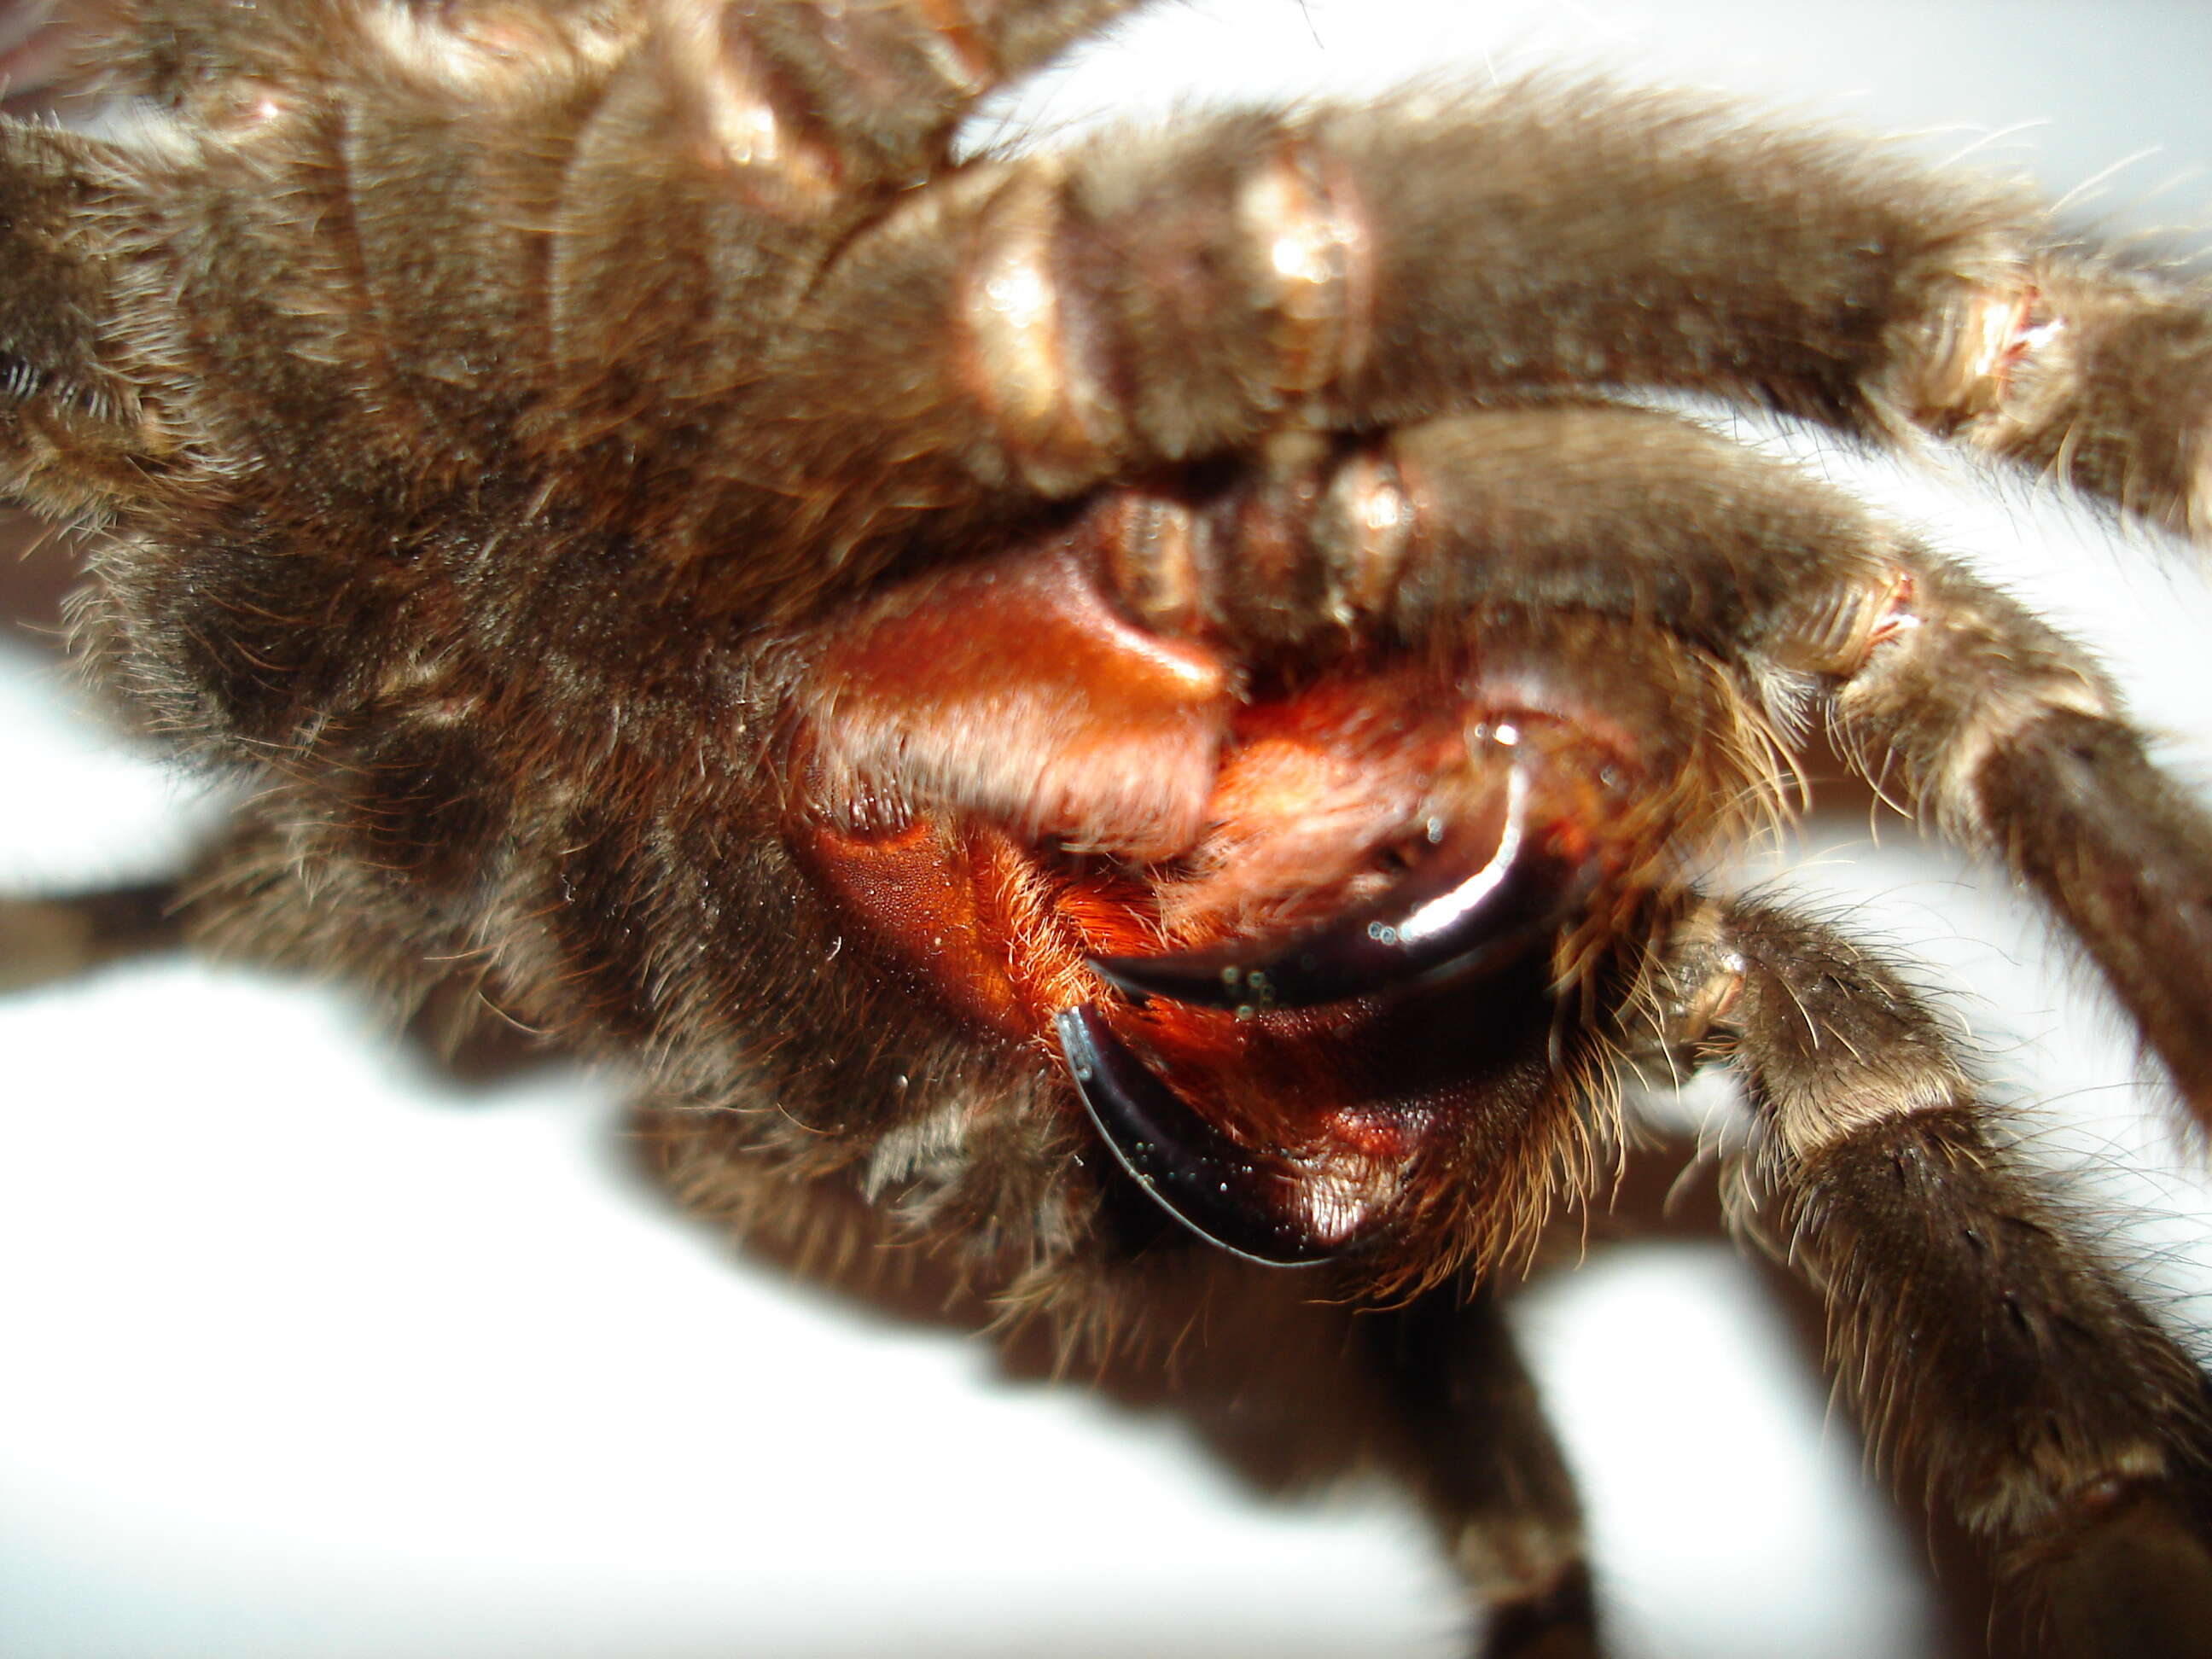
[310, 1353]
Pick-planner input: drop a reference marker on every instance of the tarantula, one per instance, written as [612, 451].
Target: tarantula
[1144, 727]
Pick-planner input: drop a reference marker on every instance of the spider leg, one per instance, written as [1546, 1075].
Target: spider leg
[874, 91]
[496, 204]
[1983, 718]
[1483, 1460]
[71, 426]
[266, 892]
[1985, 1340]
[43, 940]
[1049, 323]
[1957, 702]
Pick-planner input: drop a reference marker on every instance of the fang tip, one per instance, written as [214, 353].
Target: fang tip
[1223, 1193]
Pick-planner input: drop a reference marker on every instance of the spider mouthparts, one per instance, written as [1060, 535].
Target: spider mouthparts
[1483, 895]
[1259, 1205]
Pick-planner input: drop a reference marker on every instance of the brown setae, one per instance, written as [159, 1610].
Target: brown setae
[1148, 723]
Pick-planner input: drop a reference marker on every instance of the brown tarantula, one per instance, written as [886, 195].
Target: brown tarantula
[1140, 730]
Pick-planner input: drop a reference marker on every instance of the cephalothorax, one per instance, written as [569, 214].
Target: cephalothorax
[1139, 719]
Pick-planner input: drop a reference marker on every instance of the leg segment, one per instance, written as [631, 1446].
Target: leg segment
[879, 88]
[1982, 717]
[44, 940]
[69, 423]
[256, 895]
[1483, 1460]
[1985, 1340]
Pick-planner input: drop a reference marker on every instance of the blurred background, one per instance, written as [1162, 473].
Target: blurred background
[312, 1349]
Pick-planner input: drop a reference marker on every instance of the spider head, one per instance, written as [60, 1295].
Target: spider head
[1312, 946]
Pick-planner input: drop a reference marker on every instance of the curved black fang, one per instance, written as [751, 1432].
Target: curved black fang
[1194, 1171]
[1467, 907]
